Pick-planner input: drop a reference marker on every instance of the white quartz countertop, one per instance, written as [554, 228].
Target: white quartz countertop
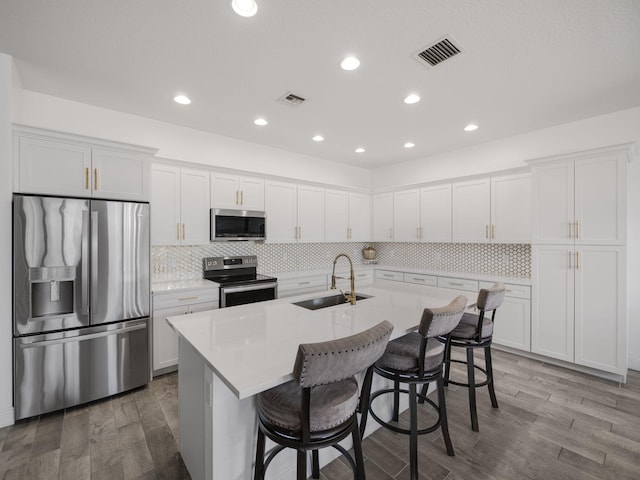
[253, 347]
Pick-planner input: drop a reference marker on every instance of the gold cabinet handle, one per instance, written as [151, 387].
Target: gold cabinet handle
[456, 284]
[177, 231]
[493, 231]
[183, 231]
[86, 178]
[570, 256]
[237, 197]
[95, 179]
[420, 232]
[241, 197]
[187, 298]
[486, 231]
[570, 230]
[577, 229]
[577, 260]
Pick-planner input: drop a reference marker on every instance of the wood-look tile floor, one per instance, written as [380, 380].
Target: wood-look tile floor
[552, 424]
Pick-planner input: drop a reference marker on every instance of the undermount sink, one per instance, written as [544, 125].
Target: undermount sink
[330, 301]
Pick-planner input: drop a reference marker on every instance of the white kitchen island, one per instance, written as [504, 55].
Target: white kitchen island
[228, 356]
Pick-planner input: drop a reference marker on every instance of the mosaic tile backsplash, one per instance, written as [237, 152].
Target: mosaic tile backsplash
[179, 263]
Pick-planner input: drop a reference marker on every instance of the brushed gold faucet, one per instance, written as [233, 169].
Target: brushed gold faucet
[351, 296]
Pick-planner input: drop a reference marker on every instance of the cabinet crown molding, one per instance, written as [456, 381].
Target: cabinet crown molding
[624, 148]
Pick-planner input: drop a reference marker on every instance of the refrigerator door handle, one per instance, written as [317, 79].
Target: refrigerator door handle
[84, 310]
[94, 254]
[80, 338]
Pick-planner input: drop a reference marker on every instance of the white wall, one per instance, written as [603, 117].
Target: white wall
[6, 361]
[181, 143]
[511, 152]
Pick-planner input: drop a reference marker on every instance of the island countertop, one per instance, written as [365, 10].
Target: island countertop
[252, 348]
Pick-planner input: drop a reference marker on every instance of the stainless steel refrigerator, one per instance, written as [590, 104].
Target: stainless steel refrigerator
[80, 300]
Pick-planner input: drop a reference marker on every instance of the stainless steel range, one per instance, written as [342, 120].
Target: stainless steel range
[239, 281]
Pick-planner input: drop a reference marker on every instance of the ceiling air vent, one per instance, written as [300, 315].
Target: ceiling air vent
[439, 52]
[292, 99]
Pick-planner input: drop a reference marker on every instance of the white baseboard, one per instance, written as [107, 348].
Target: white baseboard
[7, 417]
[634, 363]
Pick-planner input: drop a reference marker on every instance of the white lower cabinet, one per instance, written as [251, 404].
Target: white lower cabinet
[512, 327]
[579, 305]
[165, 304]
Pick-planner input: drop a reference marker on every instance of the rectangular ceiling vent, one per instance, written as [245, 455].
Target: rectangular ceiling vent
[292, 99]
[439, 52]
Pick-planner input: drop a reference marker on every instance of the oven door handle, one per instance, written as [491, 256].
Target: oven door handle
[248, 288]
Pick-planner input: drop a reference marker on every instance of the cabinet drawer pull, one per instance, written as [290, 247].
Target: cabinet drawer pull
[304, 283]
[361, 275]
[570, 255]
[95, 179]
[183, 231]
[237, 198]
[456, 284]
[570, 230]
[177, 231]
[486, 231]
[577, 260]
[241, 197]
[187, 298]
[417, 279]
[493, 231]
[388, 275]
[86, 178]
[577, 228]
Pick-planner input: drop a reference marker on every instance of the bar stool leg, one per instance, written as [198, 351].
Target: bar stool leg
[258, 473]
[413, 437]
[315, 469]
[357, 452]
[444, 424]
[302, 465]
[489, 367]
[396, 400]
[472, 390]
[447, 361]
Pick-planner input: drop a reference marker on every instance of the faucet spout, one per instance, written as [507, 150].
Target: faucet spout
[351, 296]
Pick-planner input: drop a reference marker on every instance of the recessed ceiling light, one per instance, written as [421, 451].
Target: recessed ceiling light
[360, 150]
[181, 99]
[412, 98]
[350, 63]
[409, 145]
[244, 8]
[471, 127]
[260, 121]
[318, 138]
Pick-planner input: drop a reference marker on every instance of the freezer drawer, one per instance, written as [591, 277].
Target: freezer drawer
[59, 370]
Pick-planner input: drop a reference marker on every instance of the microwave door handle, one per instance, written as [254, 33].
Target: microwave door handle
[84, 287]
[249, 288]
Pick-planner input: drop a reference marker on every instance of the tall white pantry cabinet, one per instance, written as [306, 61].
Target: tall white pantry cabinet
[578, 258]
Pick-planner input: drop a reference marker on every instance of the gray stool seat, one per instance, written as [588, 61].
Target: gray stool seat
[331, 405]
[468, 327]
[319, 407]
[403, 353]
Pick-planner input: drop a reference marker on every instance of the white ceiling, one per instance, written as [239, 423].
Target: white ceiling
[526, 65]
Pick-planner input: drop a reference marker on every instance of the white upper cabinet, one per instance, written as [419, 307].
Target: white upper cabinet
[179, 206]
[310, 214]
[511, 209]
[383, 217]
[580, 198]
[295, 213]
[67, 165]
[435, 213]
[336, 216]
[120, 175]
[236, 192]
[471, 209]
[347, 216]
[359, 217]
[406, 216]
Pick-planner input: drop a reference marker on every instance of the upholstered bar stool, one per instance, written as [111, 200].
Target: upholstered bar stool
[416, 359]
[475, 331]
[319, 407]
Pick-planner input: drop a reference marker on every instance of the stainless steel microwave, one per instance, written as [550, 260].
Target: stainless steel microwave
[234, 225]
